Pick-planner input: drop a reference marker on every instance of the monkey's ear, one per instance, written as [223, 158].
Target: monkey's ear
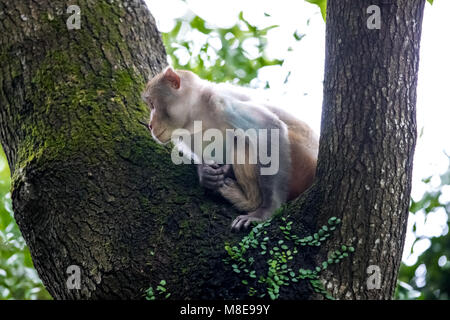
[171, 76]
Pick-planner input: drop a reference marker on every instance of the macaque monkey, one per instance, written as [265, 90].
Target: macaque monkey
[177, 98]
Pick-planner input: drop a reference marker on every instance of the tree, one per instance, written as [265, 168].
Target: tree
[90, 188]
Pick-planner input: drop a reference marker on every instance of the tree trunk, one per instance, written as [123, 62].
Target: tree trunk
[368, 138]
[90, 188]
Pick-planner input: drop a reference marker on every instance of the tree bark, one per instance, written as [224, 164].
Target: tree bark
[368, 138]
[90, 187]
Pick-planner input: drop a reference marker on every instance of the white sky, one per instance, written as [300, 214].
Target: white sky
[306, 62]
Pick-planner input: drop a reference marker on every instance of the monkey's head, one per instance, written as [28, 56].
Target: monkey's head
[169, 97]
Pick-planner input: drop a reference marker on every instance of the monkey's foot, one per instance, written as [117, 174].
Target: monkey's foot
[244, 221]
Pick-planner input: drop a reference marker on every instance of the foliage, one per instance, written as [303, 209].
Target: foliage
[429, 277]
[18, 278]
[161, 292]
[223, 54]
[266, 265]
[322, 5]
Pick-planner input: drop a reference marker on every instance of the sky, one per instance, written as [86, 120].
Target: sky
[306, 61]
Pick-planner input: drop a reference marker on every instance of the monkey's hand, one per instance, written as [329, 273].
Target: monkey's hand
[212, 176]
[244, 221]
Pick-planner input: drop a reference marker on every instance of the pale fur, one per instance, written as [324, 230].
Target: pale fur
[245, 193]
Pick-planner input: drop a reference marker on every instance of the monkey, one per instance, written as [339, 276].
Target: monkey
[178, 98]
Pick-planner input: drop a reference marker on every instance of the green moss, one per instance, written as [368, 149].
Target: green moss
[80, 111]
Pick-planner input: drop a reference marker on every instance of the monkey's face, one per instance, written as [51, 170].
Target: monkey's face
[167, 102]
[160, 127]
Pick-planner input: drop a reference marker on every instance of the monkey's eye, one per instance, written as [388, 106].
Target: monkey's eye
[150, 103]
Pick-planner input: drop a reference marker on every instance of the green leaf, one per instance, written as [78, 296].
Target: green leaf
[298, 36]
[322, 5]
[199, 24]
[162, 289]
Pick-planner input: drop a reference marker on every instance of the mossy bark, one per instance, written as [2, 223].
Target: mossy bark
[91, 188]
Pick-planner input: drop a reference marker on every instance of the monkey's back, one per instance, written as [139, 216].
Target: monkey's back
[304, 146]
